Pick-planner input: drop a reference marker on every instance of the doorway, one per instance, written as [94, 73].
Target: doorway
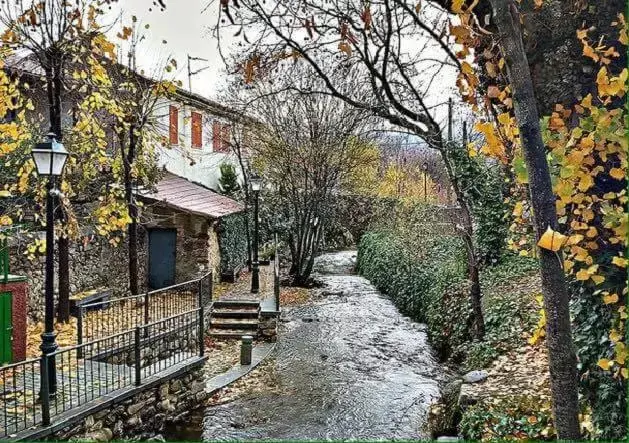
[162, 257]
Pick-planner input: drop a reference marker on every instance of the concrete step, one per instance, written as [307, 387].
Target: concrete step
[237, 304]
[230, 333]
[232, 323]
[234, 313]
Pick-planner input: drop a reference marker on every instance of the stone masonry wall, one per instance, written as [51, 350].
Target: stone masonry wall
[144, 415]
[197, 250]
[93, 263]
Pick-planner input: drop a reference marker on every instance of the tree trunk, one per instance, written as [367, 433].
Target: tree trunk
[63, 304]
[132, 228]
[467, 233]
[562, 358]
[54, 89]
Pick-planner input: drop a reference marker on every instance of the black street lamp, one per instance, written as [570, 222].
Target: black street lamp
[256, 184]
[50, 158]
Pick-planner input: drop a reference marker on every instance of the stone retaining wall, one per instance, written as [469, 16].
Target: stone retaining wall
[144, 415]
[267, 326]
[94, 263]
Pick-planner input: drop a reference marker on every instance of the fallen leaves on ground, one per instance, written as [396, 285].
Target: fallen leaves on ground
[262, 380]
[294, 296]
[66, 336]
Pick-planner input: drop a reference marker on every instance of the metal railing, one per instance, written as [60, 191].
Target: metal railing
[20, 407]
[86, 372]
[90, 370]
[108, 317]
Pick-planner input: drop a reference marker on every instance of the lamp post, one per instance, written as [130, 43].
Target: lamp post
[256, 184]
[50, 158]
[425, 166]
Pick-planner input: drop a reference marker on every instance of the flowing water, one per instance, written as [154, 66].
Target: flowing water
[347, 366]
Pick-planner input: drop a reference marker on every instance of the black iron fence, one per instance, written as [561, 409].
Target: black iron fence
[88, 371]
[19, 396]
[109, 317]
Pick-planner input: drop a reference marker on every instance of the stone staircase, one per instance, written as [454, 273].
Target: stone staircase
[234, 318]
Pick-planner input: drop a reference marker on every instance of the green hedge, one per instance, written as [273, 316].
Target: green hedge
[426, 282]
[232, 242]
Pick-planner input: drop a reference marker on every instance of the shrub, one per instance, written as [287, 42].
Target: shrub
[517, 417]
[426, 281]
[232, 242]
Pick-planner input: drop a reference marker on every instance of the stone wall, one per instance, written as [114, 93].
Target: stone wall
[267, 327]
[197, 241]
[144, 415]
[214, 251]
[93, 263]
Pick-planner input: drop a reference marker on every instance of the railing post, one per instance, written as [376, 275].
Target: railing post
[146, 312]
[146, 308]
[200, 293]
[201, 333]
[211, 284]
[44, 392]
[79, 331]
[136, 352]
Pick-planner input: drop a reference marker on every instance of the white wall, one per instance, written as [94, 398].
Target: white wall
[198, 165]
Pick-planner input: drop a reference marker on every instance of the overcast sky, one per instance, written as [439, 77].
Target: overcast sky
[185, 31]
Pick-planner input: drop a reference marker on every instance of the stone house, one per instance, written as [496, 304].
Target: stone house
[179, 222]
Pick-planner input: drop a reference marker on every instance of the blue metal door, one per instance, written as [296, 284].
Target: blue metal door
[162, 252]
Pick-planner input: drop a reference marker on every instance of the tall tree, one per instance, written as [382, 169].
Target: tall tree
[53, 33]
[563, 362]
[305, 152]
[371, 43]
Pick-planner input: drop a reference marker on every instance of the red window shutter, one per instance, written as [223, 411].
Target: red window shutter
[226, 137]
[174, 125]
[216, 136]
[197, 134]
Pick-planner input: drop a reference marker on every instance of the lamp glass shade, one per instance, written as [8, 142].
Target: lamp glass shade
[50, 158]
[256, 183]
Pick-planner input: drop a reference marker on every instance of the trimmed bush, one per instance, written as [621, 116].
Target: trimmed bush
[425, 281]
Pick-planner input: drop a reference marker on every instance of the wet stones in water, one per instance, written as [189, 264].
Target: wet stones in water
[331, 293]
[475, 376]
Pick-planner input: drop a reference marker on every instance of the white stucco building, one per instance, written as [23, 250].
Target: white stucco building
[201, 135]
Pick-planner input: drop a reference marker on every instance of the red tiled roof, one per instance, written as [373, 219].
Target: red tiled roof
[179, 193]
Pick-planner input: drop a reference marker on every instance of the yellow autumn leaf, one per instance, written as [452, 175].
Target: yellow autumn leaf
[624, 372]
[457, 6]
[583, 275]
[617, 173]
[605, 364]
[551, 240]
[615, 336]
[346, 48]
[621, 352]
[610, 299]
[620, 261]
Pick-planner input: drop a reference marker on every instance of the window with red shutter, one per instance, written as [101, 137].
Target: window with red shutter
[226, 137]
[173, 130]
[216, 136]
[197, 131]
